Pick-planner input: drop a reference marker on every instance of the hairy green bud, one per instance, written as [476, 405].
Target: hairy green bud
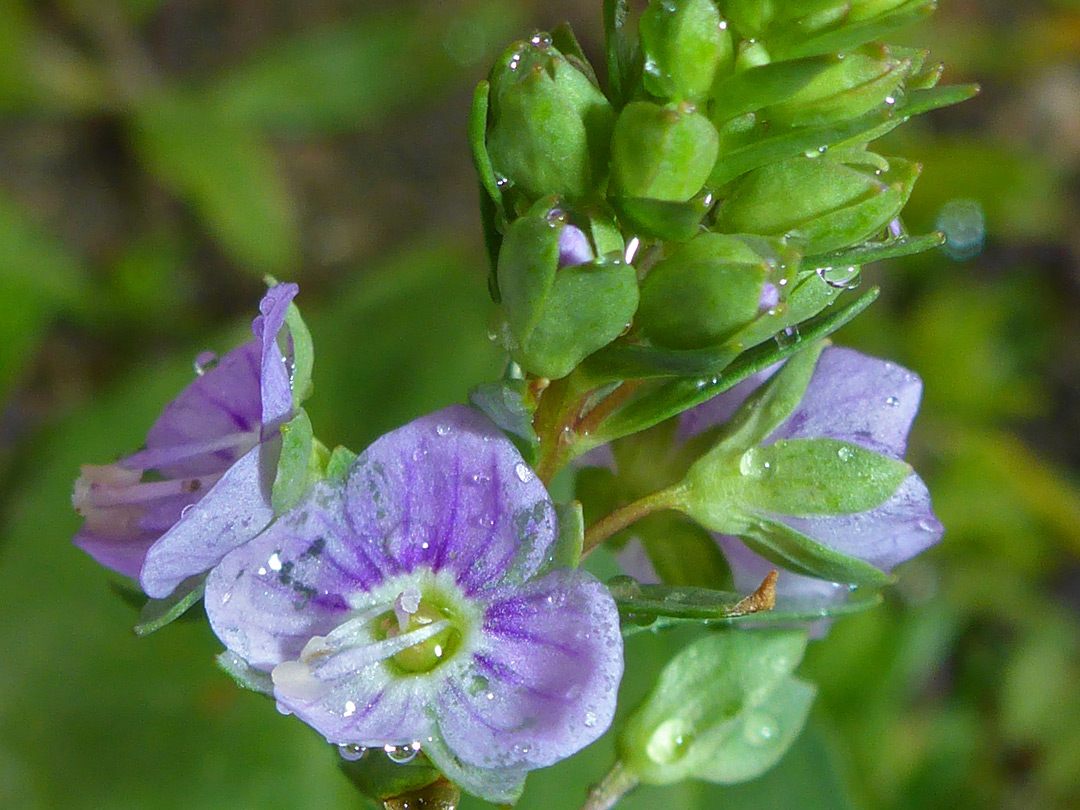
[549, 125]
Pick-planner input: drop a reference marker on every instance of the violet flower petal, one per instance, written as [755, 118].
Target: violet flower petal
[124, 555]
[276, 387]
[450, 491]
[212, 422]
[548, 668]
[858, 399]
[234, 510]
[267, 598]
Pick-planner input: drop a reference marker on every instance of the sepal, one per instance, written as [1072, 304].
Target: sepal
[683, 45]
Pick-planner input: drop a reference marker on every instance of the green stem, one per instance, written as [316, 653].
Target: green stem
[625, 515]
[618, 782]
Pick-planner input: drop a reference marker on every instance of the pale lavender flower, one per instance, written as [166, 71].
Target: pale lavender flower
[851, 398]
[201, 485]
[416, 603]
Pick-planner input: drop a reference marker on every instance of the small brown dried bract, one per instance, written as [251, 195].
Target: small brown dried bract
[764, 598]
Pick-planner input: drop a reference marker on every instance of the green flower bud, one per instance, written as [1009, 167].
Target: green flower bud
[561, 302]
[683, 45]
[549, 125]
[828, 202]
[710, 288]
[662, 153]
[855, 85]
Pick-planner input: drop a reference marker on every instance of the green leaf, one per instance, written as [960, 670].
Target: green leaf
[725, 709]
[771, 404]
[671, 398]
[244, 675]
[226, 171]
[658, 607]
[850, 34]
[349, 76]
[812, 477]
[762, 86]
[295, 471]
[793, 550]
[157, 613]
[504, 403]
[661, 219]
[876, 251]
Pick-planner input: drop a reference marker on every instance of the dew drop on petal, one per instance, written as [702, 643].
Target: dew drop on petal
[351, 752]
[892, 402]
[442, 429]
[523, 472]
[402, 754]
[205, 362]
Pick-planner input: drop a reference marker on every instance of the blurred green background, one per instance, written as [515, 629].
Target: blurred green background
[158, 157]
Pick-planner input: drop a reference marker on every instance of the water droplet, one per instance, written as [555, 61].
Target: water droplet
[788, 337]
[541, 39]
[752, 465]
[351, 752]
[274, 562]
[350, 708]
[823, 149]
[926, 525]
[840, 278]
[520, 749]
[442, 430]
[402, 754]
[283, 709]
[723, 25]
[631, 249]
[892, 402]
[670, 742]
[185, 510]
[760, 729]
[205, 362]
[590, 719]
[890, 100]
[523, 472]
[502, 182]
[845, 453]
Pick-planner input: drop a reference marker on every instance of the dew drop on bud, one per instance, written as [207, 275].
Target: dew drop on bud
[787, 337]
[760, 729]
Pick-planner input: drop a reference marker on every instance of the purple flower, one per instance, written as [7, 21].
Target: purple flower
[851, 398]
[415, 604]
[201, 485]
[574, 247]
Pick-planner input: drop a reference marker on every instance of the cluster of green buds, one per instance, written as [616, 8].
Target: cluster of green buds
[718, 192]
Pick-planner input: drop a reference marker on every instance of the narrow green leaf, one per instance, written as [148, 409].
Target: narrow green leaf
[849, 35]
[157, 613]
[659, 607]
[793, 550]
[762, 86]
[771, 404]
[876, 251]
[243, 674]
[671, 398]
[226, 171]
[343, 77]
[294, 473]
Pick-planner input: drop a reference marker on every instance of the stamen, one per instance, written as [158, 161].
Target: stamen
[157, 457]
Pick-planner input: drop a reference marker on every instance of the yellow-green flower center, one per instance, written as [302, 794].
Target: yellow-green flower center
[426, 655]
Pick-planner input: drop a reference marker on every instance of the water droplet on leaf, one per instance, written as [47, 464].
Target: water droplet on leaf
[205, 362]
